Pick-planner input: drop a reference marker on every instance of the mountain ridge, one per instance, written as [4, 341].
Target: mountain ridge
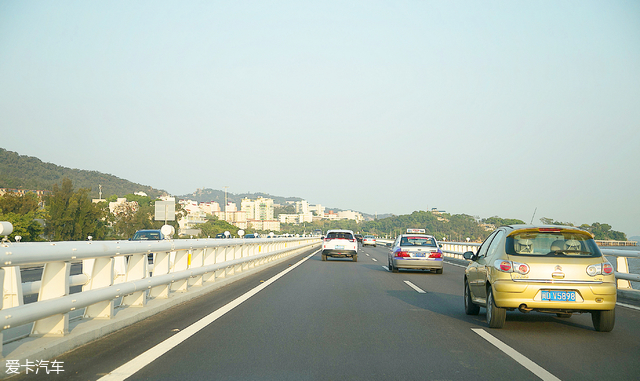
[30, 173]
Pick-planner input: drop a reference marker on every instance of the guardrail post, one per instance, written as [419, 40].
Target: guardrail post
[229, 255]
[221, 256]
[209, 258]
[252, 252]
[197, 259]
[238, 254]
[55, 283]
[181, 263]
[246, 253]
[101, 274]
[161, 266]
[622, 266]
[137, 268]
[12, 287]
[119, 269]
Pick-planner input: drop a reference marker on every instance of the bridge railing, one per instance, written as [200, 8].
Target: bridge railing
[119, 271]
[622, 266]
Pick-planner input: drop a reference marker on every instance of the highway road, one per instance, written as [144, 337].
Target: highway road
[340, 319]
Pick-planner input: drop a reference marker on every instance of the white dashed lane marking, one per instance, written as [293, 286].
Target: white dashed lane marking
[418, 289]
[532, 366]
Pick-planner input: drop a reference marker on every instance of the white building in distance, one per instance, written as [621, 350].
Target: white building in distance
[259, 209]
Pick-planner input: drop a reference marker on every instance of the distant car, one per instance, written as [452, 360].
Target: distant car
[359, 237]
[369, 240]
[550, 269]
[221, 235]
[340, 244]
[147, 234]
[416, 251]
[252, 235]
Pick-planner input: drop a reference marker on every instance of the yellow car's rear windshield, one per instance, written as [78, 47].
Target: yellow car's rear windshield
[552, 243]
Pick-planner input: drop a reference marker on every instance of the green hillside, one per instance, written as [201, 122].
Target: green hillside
[26, 172]
[207, 195]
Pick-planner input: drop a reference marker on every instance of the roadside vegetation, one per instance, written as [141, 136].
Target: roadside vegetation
[68, 214]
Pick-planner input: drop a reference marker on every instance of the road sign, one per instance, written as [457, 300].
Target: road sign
[165, 211]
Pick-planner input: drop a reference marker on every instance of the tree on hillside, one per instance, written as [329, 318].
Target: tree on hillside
[284, 209]
[22, 212]
[136, 214]
[599, 231]
[550, 221]
[214, 226]
[604, 232]
[71, 214]
[15, 203]
[497, 221]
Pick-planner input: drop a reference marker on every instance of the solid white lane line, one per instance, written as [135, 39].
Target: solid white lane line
[532, 366]
[628, 306]
[420, 291]
[131, 367]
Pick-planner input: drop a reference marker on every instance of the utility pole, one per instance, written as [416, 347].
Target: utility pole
[225, 203]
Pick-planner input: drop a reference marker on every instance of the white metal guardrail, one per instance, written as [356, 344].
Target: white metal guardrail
[114, 270]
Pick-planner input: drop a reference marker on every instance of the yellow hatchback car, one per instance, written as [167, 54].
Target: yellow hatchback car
[552, 269]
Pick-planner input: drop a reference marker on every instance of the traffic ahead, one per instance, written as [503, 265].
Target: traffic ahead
[341, 319]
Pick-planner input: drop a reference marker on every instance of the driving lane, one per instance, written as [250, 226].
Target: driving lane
[568, 348]
[333, 320]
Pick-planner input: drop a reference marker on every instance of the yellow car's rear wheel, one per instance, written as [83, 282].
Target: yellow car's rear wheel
[496, 316]
[603, 321]
[470, 308]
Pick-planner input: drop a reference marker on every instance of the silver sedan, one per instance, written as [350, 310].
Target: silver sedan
[415, 251]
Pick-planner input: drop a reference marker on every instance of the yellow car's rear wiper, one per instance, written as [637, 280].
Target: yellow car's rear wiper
[563, 253]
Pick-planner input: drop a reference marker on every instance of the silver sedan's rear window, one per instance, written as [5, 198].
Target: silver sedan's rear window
[417, 241]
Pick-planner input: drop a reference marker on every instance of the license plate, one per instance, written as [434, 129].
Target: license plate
[419, 255]
[339, 247]
[559, 296]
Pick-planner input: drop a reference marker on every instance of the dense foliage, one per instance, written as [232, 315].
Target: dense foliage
[25, 172]
[457, 227]
[25, 215]
[72, 216]
[69, 215]
[497, 221]
[131, 217]
[208, 195]
[214, 226]
[599, 231]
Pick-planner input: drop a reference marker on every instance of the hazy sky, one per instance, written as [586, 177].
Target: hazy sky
[478, 107]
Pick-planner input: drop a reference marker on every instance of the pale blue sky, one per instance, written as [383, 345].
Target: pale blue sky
[477, 107]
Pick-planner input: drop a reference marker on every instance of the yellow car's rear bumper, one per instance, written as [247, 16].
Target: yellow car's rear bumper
[589, 296]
